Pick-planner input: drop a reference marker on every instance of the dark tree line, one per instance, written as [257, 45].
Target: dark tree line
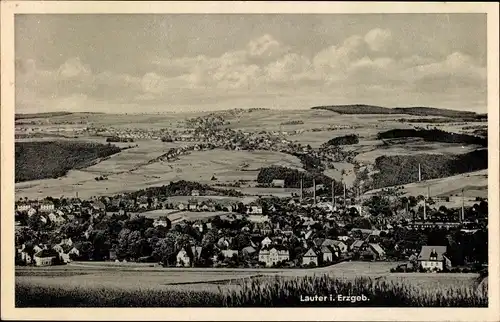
[343, 140]
[403, 169]
[45, 159]
[434, 135]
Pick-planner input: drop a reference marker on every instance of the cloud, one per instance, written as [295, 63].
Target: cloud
[378, 39]
[73, 68]
[361, 67]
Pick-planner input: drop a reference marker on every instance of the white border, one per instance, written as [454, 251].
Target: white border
[9, 8]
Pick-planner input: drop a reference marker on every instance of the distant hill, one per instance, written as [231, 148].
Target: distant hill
[40, 115]
[20, 116]
[417, 110]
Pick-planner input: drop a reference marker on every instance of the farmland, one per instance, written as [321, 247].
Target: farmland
[129, 170]
[136, 280]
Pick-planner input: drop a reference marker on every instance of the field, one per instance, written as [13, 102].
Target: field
[176, 216]
[128, 171]
[58, 158]
[238, 286]
[475, 184]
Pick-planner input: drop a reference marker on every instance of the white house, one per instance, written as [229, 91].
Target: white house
[45, 257]
[327, 254]
[254, 210]
[273, 256]
[266, 242]
[278, 183]
[183, 258]
[433, 258]
[47, 207]
[23, 207]
[310, 257]
[228, 253]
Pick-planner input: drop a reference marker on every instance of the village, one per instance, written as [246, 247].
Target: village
[305, 231]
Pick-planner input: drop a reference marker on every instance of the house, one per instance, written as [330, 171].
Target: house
[310, 257]
[375, 251]
[195, 193]
[433, 258]
[47, 207]
[43, 219]
[266, 228]
[277, 183]
[98, 206]
[183, 259]
[248, 251]
[45, 257]
[256, 210]
[31, 212]
[258, 218]
[181, 206]
[228, 253]
[273, 256]
[266, 242]
[160, 222]
[193, 206]
[340, 245]
[28, 252]
[327, 254]
[357, 245]
[23, 207]
[65, 252]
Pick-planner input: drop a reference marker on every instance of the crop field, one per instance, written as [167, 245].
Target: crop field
[127, 171]
[98, 284]
[367, 155]
[475, 184]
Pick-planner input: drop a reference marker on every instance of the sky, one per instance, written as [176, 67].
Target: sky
[147, 63]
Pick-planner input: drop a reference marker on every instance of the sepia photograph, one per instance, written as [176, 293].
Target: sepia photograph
[217, 158]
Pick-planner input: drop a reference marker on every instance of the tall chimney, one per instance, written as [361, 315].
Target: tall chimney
[462, 217]
[419, 173]
[314, 191]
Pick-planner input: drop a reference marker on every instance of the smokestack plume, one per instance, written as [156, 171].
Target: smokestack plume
[419, 173]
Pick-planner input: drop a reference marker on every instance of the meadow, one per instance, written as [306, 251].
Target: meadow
[128, 171]
[259, 291]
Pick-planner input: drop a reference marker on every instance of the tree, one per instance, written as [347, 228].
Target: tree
[209, 239]
[164, 250]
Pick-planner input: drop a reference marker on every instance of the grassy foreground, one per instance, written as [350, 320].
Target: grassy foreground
[276, 292]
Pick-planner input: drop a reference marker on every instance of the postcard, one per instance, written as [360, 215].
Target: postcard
[249, 161]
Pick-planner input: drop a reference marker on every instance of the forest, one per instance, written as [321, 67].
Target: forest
[53, 159]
